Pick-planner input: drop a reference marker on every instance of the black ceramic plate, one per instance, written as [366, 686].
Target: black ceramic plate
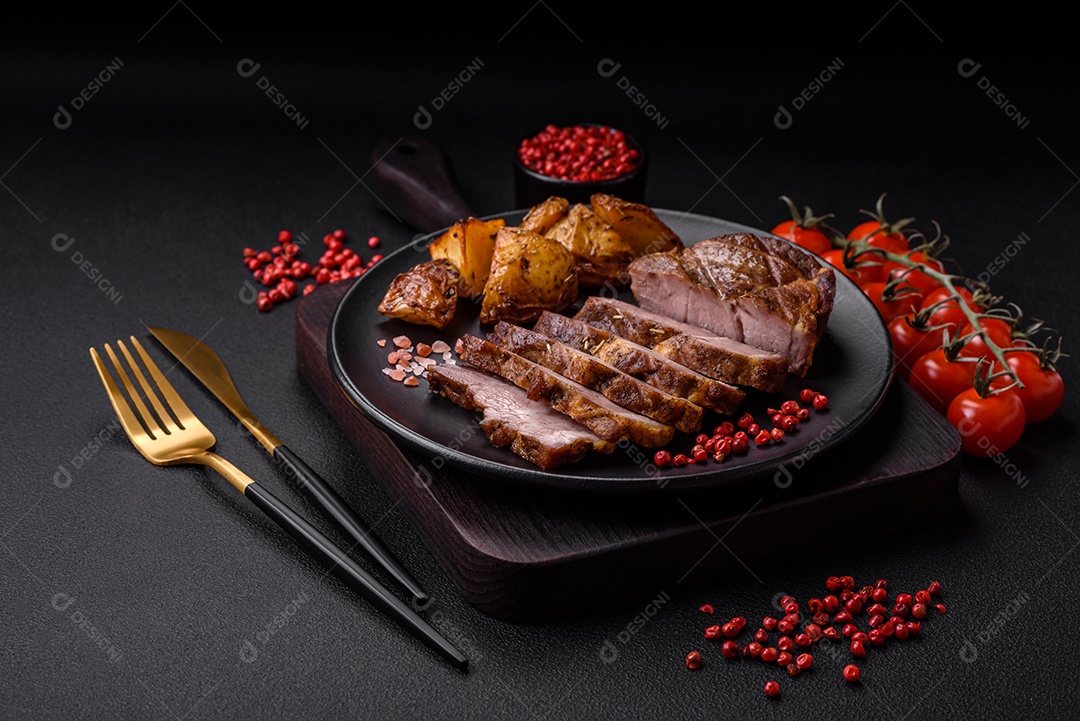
[852, 366]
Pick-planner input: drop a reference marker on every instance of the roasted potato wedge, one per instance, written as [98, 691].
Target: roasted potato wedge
[599, 251]
[426, 294]
[529, 274]
[469, 245]
[637, 224]
[543, 216]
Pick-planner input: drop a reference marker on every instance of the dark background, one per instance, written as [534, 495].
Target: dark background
[179, 162]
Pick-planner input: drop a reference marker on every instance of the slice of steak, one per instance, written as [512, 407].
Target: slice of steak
[603, 417]
[532, 429]
[642, 363]
[591, 372]
[759, 290]
[692, 346]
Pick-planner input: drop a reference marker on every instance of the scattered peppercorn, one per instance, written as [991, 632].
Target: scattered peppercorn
[279, 268]
[796, 632]
[726, 440]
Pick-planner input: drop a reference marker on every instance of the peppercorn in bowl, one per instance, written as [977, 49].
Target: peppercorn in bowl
[576, 161]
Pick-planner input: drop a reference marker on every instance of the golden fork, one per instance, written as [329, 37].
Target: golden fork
[173, 435]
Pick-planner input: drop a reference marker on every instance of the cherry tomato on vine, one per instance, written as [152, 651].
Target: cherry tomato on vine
[987, 426]
[880, 235]
[893, 308]
[938, 380]
[804, 229]
[999, 331]
[910, 343]
[862, 274]
[813, 239]
[1043, 389]
[913, 276]
[949, 312]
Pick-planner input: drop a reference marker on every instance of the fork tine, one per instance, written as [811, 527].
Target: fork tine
[148, 418]
[167, 421]
[127, 418]
[172, 398]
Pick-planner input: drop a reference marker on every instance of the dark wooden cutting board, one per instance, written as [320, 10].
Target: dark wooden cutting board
[526, 554]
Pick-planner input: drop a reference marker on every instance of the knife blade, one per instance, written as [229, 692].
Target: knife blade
[210, 370]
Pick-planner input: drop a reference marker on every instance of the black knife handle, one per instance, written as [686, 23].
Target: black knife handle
[335, 559]
[336, 506]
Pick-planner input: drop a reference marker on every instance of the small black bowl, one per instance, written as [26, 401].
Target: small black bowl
[531, 187]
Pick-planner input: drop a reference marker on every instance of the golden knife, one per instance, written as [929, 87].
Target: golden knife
[208, 368]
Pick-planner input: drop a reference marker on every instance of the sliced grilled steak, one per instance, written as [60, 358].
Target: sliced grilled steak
[603, 417]
[591, 372]
[692, 346]
[759, 290]
[643, 363]
[532, 429]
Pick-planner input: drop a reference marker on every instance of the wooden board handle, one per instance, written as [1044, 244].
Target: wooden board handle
[413, 177]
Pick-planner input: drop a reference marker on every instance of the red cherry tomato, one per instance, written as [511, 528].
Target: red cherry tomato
[1043, 389]
[862, 274]
[894, 308]
[987, 426]
[813, 239]
[949, 313]
[912, 276]
[939, 380]
[876, 234]
[999, 331]
[910, 344]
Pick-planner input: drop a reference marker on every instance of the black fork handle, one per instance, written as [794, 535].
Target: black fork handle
[336, 560]
[335, 505]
